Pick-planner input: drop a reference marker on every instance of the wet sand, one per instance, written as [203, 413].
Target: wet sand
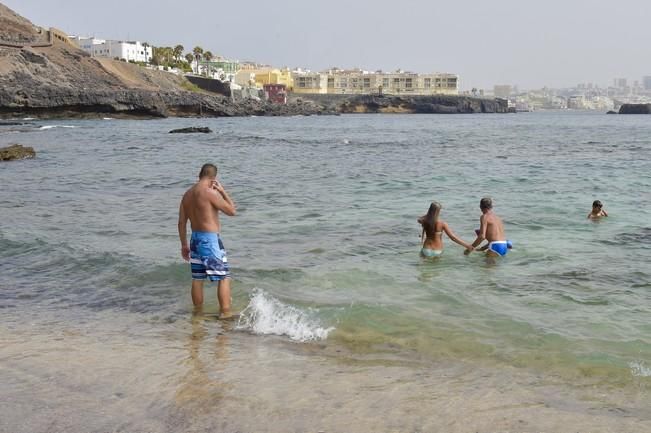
[201, 375]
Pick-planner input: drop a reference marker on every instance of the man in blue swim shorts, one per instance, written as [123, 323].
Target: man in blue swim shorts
[491, 229]
[201, 205]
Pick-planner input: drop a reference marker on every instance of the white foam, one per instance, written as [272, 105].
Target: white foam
[638, 368]
[56, 126]
[29, 118]
[267, 315]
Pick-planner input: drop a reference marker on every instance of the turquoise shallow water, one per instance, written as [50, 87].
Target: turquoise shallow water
[325, 245]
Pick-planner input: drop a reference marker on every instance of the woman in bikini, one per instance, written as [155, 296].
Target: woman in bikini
[433, 229]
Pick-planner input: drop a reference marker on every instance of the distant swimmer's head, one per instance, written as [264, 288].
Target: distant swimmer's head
[209, 171]
[486, 203]
[597, 204]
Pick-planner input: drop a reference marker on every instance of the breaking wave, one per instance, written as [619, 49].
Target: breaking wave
[55, 126]
[267, 315]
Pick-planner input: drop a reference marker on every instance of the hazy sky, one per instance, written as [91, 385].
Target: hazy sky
[529, 43]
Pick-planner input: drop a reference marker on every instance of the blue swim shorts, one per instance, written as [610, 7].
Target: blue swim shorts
[499, 247]
[208, 257]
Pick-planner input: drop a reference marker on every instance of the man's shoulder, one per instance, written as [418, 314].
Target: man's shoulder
[187, 192]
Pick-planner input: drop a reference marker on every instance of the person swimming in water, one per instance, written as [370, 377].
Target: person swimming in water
[433, 229]
[597, 211]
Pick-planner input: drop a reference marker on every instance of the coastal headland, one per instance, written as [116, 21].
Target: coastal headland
[43, 76]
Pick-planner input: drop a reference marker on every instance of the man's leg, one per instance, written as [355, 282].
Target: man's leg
[224, 296]
[197, 292]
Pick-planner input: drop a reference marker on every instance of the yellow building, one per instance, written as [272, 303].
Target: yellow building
[260, 77]
[358, 82]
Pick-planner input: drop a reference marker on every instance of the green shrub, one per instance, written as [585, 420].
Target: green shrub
[189, 86]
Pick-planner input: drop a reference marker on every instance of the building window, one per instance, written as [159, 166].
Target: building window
[367, 82]
[428, 83]
[408, 83]
[385, 82]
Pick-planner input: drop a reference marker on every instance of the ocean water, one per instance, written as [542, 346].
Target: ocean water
[95, 299]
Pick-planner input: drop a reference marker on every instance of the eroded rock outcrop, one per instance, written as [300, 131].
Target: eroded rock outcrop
[16, 151]
[191, 130]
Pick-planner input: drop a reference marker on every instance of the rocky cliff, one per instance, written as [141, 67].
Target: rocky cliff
[62, 80]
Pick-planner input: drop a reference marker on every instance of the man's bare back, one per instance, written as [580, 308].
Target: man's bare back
[494, 227]
[199, 205]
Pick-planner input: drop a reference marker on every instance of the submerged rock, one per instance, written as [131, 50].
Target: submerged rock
[611, 112]
[16, 151]
[202, 129]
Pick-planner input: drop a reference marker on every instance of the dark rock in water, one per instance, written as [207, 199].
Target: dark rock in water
[203, 129]
[635, 109]
[611, 112]
[16, 151]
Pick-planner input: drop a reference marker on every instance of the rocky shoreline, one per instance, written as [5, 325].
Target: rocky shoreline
[435, 104]
[635, 109]
[135, 103]
[53, 103]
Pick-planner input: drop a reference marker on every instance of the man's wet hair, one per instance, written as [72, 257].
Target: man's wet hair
[597, 203]
[209, 170]
[486, 203]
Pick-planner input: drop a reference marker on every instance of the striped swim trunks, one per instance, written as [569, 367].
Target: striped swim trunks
[208, 257]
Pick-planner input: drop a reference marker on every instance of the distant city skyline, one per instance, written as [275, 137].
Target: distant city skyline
[526, 44]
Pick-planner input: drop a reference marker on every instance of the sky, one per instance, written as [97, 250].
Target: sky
[528, 43]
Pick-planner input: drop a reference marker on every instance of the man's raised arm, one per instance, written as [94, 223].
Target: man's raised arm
[223, 201]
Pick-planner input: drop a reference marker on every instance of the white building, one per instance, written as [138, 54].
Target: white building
[126, 50]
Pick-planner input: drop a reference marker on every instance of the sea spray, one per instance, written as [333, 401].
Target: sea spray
[43, 128]
[639, 369]
[267, 315]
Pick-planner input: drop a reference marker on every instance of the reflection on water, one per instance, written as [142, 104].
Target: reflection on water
[203, 386]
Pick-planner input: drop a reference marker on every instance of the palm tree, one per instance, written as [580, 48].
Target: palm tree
[168, 54]
[189, 57]
[198, 52]
[155, 56]
[207, 56]
[178, 51]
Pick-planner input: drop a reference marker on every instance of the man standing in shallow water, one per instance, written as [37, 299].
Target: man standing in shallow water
[491, 229]
[201, 205]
